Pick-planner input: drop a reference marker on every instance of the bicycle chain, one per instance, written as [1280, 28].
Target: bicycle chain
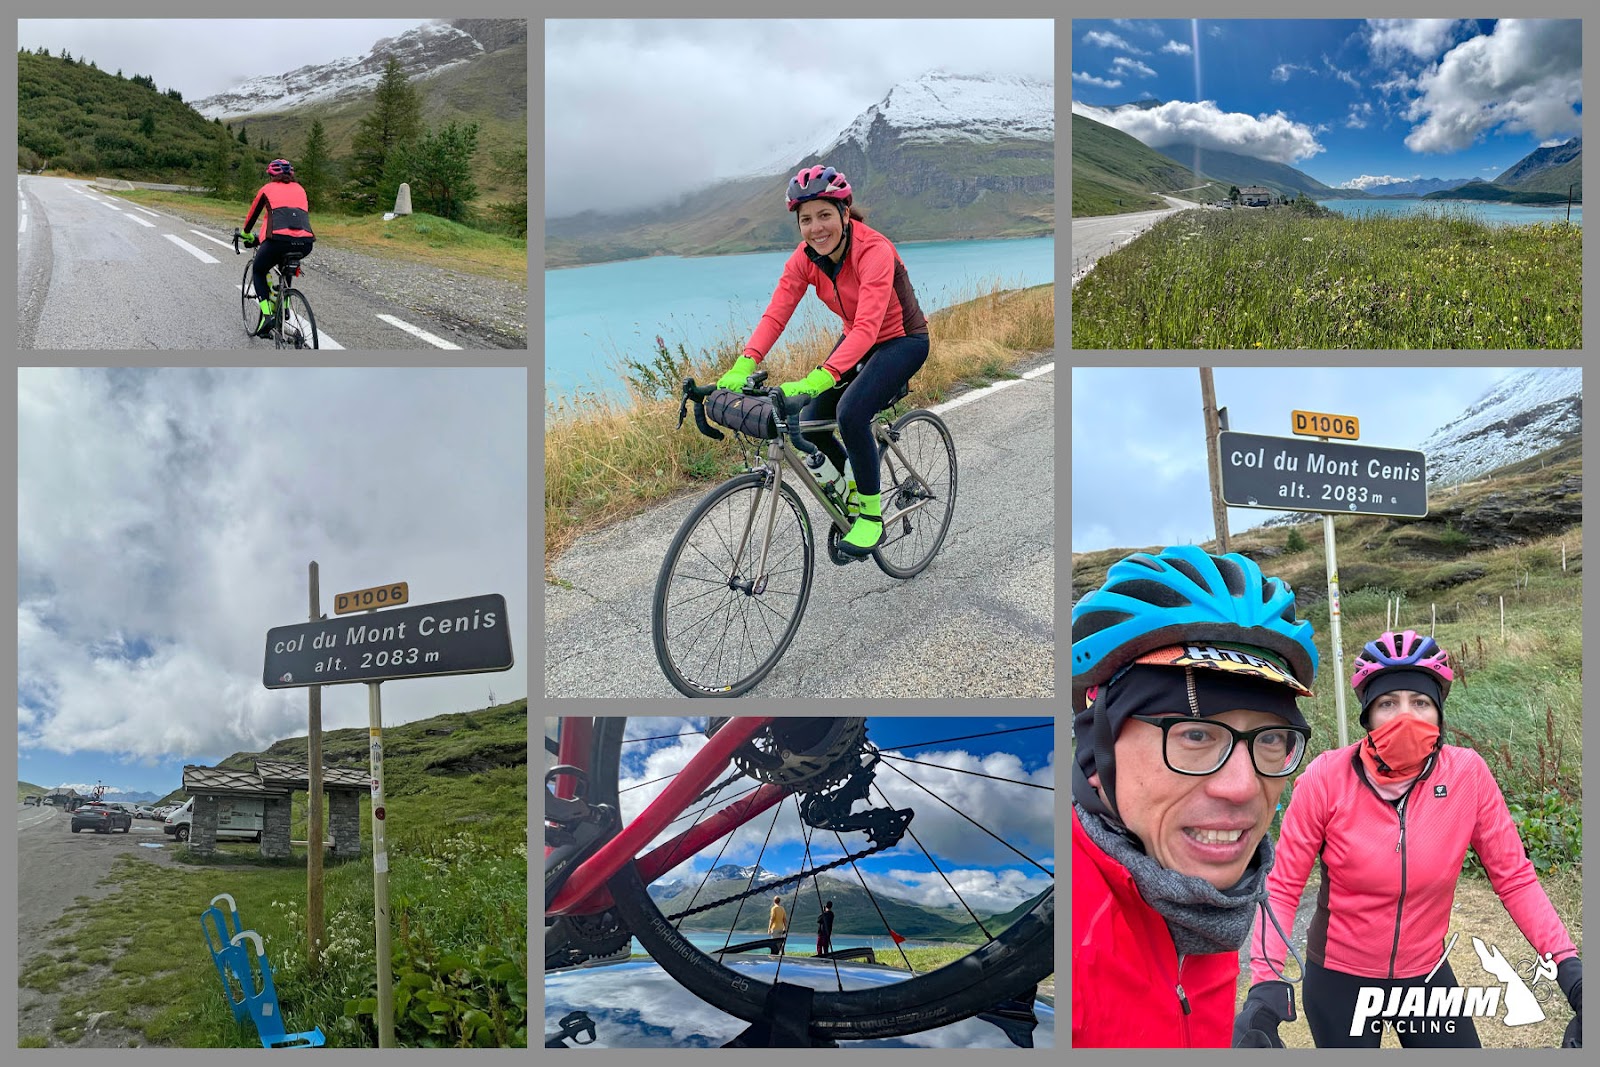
[767, 887]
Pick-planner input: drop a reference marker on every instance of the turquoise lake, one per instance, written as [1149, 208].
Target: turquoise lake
[598, 315]
[1493, 214]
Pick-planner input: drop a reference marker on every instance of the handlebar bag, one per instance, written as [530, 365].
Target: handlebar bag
[748, 415]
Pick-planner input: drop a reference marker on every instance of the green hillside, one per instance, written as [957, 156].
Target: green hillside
[1555, 180]
[997, 923]
[72, 116]
[26, 788]
[1241, 170]
[1490, 192]
[1113, 173]
[853, 910]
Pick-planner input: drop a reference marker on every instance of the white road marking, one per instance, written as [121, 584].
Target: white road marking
[141, 222]
[191, 249]
[437, 342]
[22, 224]
[107, 203]
[207, 236]
[323, 340]
[967, 398]
[147, 211]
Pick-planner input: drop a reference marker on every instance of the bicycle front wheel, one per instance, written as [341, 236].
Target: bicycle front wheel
[718, 626]
[918, 491]
[300, 327]
[1006, 966]
[248, 300]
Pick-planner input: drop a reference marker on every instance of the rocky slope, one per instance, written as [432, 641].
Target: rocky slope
[1524, 414]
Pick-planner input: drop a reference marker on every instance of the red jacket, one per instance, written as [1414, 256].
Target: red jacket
[1388, 880]
[871, 292]
[288, 214]
[1128, 985]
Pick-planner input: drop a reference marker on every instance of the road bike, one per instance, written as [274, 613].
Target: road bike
[596, 878]
[292, 324]
[737, 576]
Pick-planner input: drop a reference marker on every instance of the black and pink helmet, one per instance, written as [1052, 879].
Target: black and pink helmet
[818, 183]
[280, 169]
[1402, 650]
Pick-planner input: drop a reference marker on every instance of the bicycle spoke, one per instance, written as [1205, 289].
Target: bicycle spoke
[875, 907]
[970, 819]
[961, 770]
[960, 899]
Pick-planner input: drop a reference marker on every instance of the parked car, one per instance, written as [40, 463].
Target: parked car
[100, 818]
[32, 801]
[145, 811]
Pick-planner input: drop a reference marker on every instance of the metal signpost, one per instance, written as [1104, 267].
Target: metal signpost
[465, 636]
[1288, 474]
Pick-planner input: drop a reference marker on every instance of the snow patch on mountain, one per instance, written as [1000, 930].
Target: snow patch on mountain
[1525, 413]
[940, 107]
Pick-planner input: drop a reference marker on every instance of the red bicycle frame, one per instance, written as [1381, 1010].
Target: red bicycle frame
[584, 892]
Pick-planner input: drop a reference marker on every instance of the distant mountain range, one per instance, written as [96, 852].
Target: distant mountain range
[1410, 187]
[943, 157]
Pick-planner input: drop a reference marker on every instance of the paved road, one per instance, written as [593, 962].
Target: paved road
[980, 621]
[96, 272]
[54, 868]
[1094, 237]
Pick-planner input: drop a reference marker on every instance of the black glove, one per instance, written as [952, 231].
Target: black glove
[1569, 976]
[1265, 1006]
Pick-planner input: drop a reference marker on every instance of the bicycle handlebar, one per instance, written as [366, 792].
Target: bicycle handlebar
[698, 394]
[785, 411]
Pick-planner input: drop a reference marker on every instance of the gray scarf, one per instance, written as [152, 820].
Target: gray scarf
[1202, 918]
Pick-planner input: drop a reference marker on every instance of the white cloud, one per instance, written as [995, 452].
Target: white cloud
[1553, 142]
[1371, 181]
[987, 892]
[1274, 137]
[1111, 40]
[1525, 77]
[1177, 48]
[1390, 39]
[1090, 79]
[1343, 75]
[1143, 27]
[1214, 30]
[1124, 65]
[1360, 115]
[1283, 71]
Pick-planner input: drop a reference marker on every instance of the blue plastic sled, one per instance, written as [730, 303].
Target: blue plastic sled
[220, 931]
[261, 999]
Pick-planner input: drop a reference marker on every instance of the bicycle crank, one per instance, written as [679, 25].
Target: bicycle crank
[839, 557]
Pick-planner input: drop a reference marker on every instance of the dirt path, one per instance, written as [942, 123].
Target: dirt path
[55, 868]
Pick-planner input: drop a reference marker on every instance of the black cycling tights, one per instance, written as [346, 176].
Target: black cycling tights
[1329, 999]
[864, 391]
[271, 253]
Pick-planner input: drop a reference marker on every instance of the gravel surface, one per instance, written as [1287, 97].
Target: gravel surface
[483, 305]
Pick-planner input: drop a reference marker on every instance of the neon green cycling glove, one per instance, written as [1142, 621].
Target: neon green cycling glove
[738, 374]
[816, 383]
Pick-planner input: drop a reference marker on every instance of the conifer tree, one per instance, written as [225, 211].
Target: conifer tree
[394, 122]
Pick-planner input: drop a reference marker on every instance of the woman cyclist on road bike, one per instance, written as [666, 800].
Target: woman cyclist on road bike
[1392, 817]
[859, 276]
[1185, 672]
[286, 229]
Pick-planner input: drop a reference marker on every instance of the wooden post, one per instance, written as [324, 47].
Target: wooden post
[380, 871]
[315, 926]
[1219, 510]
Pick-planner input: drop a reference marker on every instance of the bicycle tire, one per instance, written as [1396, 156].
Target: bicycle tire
[248, 300]
[300, 315]
[1022, 956]
[670, 660]
[896, 491]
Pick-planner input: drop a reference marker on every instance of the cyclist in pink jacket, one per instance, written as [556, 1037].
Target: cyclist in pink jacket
[858, 275]
[1391, 819]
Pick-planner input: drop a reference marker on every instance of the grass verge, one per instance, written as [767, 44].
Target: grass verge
[606, 459]
[1277, 279]
[424, 240]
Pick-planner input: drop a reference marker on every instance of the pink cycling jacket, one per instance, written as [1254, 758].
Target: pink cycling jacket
[1389, 875]
[872, 294]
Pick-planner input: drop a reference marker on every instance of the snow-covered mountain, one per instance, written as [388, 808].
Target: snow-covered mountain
[1387, 185]
[1525, 413]
[940, 107]
[423, 52]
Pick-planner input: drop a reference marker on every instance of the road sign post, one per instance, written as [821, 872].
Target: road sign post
[467, 636]
[1288, 474]
[315, 923]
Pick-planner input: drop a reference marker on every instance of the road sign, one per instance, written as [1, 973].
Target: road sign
[1316, 424]
[465, 636]
[1290, 474]
[379, 596]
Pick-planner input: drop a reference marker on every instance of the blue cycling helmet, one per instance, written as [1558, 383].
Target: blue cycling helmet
[1183, 594]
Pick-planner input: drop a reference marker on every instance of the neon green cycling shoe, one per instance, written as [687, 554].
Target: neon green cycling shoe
[867, 531]
[268, 309]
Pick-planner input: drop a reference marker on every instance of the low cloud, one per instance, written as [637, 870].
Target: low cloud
[1090, 79]
[1124, 65]
[1525, 77]
[1372, 181]
[1390, 39]
[1274, 137]
[1111, 40]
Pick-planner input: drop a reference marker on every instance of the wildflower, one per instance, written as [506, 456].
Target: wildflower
[1305, 238]
[1463, 294]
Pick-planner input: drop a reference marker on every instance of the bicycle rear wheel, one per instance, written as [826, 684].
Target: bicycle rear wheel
[1008, 965]
[918, 486]
[717, 629]
[300, 328]
[249, 301]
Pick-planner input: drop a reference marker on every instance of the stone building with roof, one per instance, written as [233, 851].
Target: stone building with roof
[273, 783]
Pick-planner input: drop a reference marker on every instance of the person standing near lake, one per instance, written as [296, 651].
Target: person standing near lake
[777, 921]
[825, 929]
[1392, 817]
[857, 273]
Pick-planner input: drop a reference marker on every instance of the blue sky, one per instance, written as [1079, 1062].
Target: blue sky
[1151, 488]
[165, 521]
[1345, 101]
[986, 874]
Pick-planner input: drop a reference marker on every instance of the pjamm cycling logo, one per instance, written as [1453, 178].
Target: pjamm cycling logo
[1426, 1009]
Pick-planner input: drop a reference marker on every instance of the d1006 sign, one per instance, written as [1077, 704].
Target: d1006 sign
[464, 636]
[1290, 474]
